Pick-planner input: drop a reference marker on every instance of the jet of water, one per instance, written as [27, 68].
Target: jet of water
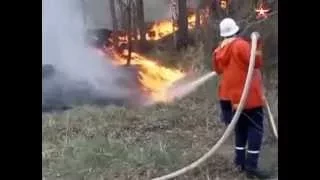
[182, 90]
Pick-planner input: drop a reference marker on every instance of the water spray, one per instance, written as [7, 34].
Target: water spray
[185, 89]
[231, 126]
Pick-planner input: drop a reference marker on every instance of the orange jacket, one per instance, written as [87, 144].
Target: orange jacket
[217, 65]
[232, 62]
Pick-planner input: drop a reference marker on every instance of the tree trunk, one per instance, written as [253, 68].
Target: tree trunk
[129, 32]
[141, 23]
[173, 10]
[114, 21]
[255, 3]
[182, 40]
[134, 21]
[113, 15]
[198, 30]
[123, 15]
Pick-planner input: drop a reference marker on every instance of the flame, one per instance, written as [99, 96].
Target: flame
[160, 30]
[223, 4]
[154, 78]
[164, 28]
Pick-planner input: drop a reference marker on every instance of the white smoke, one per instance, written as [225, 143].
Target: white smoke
[64, 47]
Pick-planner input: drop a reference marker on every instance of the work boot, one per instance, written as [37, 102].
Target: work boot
[257, 173]
[239, 160]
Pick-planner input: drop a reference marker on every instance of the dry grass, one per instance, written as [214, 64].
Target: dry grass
[139, 143]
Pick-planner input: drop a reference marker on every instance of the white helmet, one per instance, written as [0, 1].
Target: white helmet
[228, 27]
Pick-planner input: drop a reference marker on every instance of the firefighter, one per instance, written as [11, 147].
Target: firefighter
[231, 62]
[218, 66]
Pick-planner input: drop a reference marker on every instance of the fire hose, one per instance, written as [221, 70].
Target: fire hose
[231, 126]
[271, 120]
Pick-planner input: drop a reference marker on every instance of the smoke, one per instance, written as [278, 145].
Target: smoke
[76, 66]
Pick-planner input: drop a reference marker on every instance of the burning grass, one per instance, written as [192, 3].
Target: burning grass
[117, 143]
[154, 78]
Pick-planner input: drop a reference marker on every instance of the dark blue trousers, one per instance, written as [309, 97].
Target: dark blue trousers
[226, 111]
[249, 131]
